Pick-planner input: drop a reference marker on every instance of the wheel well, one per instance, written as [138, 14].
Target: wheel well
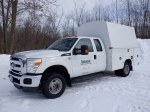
[130, 62]
[59, 69]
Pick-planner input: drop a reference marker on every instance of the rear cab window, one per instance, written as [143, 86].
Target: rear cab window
[98, 45]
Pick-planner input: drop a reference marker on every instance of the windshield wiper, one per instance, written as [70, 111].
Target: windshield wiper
[54, 48]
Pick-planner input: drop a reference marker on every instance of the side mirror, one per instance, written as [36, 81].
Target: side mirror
[84, 50]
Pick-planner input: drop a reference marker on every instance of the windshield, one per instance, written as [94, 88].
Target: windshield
[63, 44]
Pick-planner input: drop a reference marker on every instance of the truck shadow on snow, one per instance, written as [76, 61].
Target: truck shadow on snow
[92, 77]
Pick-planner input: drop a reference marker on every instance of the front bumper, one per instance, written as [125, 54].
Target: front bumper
[26, 80]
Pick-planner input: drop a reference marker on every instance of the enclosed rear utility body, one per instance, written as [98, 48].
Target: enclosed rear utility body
[119, 41]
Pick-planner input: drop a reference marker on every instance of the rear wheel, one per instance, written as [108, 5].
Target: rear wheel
[125, 71]
[54, 86]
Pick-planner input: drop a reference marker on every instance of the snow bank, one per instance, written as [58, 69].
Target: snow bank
[144, 50]
[4, 65]
[4, 59]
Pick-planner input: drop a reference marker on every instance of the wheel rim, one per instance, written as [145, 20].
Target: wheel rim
[55, 86]
[126, 69]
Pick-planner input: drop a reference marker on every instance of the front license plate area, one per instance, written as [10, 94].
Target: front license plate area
[13, 79]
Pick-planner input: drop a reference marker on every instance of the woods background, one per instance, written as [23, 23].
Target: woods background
[35, 24]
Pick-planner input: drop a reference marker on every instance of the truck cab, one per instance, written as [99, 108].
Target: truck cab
[51, 69]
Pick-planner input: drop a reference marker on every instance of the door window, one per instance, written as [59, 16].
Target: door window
[84, 42]
[98, 45]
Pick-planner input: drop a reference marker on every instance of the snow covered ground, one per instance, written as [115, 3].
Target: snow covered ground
[100, 93]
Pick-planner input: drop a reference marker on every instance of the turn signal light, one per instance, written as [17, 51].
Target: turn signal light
[38, 63]
[86, 51]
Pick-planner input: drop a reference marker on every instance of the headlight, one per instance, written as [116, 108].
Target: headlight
[33, 64]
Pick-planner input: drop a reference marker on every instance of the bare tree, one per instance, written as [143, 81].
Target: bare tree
[5, 14]
[78, 14]
[141, 12]
[9, 11]
[1, 49]
[115, 9]
[14, 4]
[97, 12]
[68, 27]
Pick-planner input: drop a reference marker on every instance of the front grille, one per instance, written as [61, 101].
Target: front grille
[18, 65]
[16, 59]
[16, 71]
[16, 80]
[15, 66]
[14, 74]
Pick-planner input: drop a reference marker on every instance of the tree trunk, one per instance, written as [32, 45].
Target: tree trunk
[1, 39]
[13, 26]
[4, 28]
[117, 11]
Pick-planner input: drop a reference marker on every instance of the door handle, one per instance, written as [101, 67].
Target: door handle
[94, 56]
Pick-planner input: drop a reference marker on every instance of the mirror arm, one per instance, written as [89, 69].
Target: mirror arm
[74, 51]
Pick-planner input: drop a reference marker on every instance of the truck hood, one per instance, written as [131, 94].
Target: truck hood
[40, 53]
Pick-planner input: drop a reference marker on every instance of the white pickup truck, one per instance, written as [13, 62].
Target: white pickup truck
[100, 46]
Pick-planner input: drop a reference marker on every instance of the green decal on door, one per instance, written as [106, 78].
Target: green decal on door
[85, 62]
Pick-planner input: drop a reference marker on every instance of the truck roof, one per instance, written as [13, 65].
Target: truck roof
[86, 37]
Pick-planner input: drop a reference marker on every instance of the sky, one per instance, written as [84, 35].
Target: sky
[67, 5]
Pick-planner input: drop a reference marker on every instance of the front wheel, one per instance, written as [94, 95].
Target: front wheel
[54, 86]
[125, 71]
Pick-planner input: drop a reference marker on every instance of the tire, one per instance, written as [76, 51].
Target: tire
[117, 72]
[54, 86]
[125, 71]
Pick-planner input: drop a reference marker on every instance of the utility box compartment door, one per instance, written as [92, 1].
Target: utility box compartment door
[127, 52]
[117, 62]
[135, 57]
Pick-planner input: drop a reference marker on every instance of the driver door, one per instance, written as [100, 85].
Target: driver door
[83, 64]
